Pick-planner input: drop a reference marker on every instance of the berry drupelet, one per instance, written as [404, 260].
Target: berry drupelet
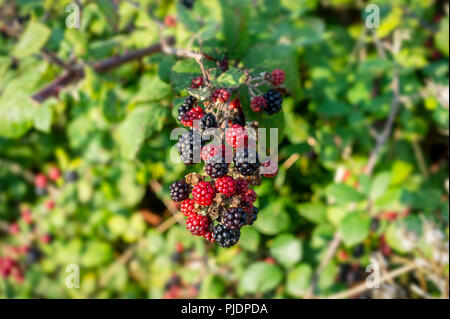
[180, 190]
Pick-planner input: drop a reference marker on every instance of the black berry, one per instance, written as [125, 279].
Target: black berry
[180, 190]
[234, 218]
[273, 101]
[208, 121]
[245, 164]
[186, 106]
[216, 170]
[40, 191]
[189, 146]
[71, 176]
[188, 3]
[226, 237]
[252, 216]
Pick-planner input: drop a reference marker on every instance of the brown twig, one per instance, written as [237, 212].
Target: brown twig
[363, 286]
[76, 73]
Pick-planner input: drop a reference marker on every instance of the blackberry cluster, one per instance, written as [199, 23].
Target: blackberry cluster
[188, 104]
[189, 144]
[218, 203]
[273, 101]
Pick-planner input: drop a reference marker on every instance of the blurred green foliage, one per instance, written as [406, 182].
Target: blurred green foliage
[113, 129]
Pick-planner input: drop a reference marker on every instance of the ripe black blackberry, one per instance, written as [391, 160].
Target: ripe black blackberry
[180, 190]
[189, 146]
[186, 106]
[208, 121]
[40, 191]
[273, 101]
[359, 251]
[71, 176]
[234, 218]
[252, 216]
[216, 170]
[188, 3]
[33, 255]
[226, 237]
[245, 164]
[238, 119]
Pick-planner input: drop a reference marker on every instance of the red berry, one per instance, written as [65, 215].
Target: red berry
[197, 82]
[198, 224]
[258, 103]
[220, 96]
[209, 236]
[170, 21]
[26, 215]
[342, 255]
[40, 181]
[249, 196]
[54, 173]
[277, 77]
[226, 185]
[236, 136]
[196, 113]
[46, 239]
[235, 104]
[187, 207]
[204, 193]
[241, 185]
[50, 205]
[14, 229]
[179, 248]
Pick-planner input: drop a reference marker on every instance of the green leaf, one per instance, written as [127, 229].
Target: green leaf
[400, 172]
[235, 16]
[96, 254]
[354, 228]
[43, 116]
[112, 108]
[32, 40]
[212, 287]
[249, 239]
[183, 72]
[140, 124]
[260, 277]
[299, 279]
[231, 78]
[379, 185]
[314, 212]
[272, 219]
[342, 193]
[165, 68]
[16, 114]
[151, 89]
[286, 249]
[334, 108]
[441, 37]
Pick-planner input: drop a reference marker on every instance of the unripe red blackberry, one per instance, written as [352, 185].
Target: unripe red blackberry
[249, 196]
[194, 114]
[170, 21]
[241, 185]
[234, 218]
[273, 101]
[226, 237]
[235, 104]
[246, 165]
[54, 173]
[209, 236]
[180, 190]
[187, 207]
[220, 96]
[213, 153]
[226, 185]
[216, 170]
[258, 103]
[197, 82]
[198, 225]
[236, 136]
[277, 77]
[40, 181]
[204, 193]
